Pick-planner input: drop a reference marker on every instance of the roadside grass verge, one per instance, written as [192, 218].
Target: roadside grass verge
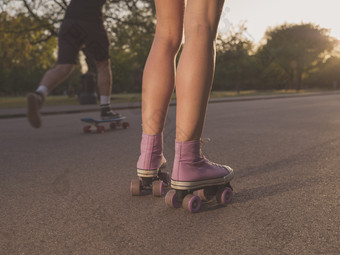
[20, 102]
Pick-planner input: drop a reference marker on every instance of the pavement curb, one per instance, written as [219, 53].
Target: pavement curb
[56, 110]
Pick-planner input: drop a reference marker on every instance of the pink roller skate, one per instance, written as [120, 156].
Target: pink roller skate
[149, 166]
[193, 172]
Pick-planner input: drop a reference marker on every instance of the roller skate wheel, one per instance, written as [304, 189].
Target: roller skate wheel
[204, 196]
[191, 203]
[135, 188]
[157, 188]
[224, 196]
[171, 199]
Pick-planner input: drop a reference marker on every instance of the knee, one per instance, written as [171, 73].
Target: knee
[170, 38]
[64, 69]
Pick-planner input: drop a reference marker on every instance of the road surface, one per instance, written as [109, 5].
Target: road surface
[65, 192]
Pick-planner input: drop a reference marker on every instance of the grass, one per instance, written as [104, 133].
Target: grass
[20, 102]
[219, 94]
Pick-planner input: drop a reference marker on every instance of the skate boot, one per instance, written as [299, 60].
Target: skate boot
[34, 104]
[149, 167]
[193, 172]
[107, 113]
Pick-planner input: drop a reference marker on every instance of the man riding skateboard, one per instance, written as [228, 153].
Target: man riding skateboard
[82, 25]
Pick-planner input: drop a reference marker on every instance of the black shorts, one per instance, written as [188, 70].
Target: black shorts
[75, 34]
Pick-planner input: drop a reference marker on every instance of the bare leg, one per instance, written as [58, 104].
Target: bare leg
[55, 76]
[196, 67]
[104, 78]
[50, 80]
[159, 72]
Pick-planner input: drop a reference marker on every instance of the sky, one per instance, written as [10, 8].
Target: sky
[260, 14]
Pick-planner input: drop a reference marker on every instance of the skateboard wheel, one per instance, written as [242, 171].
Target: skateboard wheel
[126, 125]
[224, 196]
[171, 199]
[157, 188]
[135, 188]
[191, 203]
[113, 125]
[87, 129]
[101, 129]
[204, 196]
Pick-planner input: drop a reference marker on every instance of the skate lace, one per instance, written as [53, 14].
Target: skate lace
[215, 164]
[203, 142]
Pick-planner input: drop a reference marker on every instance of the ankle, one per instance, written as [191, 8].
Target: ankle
[152, 143]
[151, 151]
[42, 90]
[188, 150]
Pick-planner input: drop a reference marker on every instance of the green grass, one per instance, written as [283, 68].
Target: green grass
[218, 94]
[20, 102]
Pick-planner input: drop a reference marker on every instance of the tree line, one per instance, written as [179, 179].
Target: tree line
[291, 56]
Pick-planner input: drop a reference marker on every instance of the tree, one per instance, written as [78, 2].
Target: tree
[233, 64]
[44, 21]
[298, 50]
[130, 49]
[22, 57]
[327, 76]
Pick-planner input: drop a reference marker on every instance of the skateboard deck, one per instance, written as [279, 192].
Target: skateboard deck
[97, 126]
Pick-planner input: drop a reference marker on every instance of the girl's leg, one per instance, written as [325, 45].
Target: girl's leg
[196, 66]
[158, 85]
[191, 170]
[159, 71]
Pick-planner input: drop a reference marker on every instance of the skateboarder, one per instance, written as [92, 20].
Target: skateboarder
[195, 71]
[82, 25]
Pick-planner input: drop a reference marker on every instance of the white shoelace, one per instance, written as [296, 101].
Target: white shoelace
[203, 142]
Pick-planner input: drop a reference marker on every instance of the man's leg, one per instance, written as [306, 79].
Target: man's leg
[105, 89]
[104, 78]
[69, 44]
[97, 45]
[50, 80]
[55, 76]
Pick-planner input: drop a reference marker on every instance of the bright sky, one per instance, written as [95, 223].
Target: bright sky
[261, 14]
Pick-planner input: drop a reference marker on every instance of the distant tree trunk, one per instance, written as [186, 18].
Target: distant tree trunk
[299, 84]
[238, 79]
[290, 84]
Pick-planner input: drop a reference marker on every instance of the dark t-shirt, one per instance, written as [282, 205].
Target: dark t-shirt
[88, 10]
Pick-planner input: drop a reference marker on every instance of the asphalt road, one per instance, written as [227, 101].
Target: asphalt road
[64, 192]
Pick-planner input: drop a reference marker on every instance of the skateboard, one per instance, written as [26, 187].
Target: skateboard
[99, 128]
